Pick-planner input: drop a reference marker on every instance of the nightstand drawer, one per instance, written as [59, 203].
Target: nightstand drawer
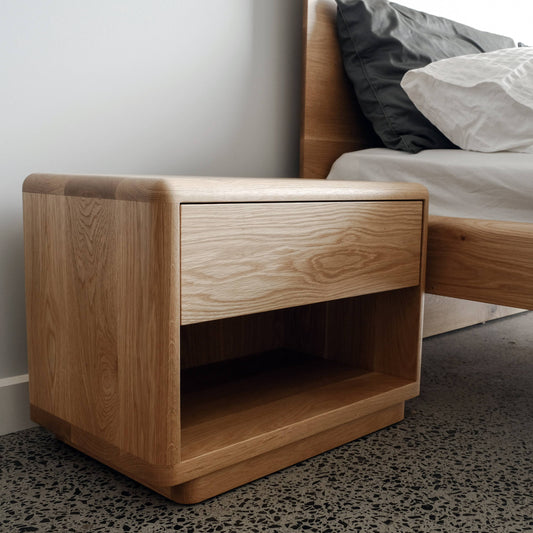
[243, 258]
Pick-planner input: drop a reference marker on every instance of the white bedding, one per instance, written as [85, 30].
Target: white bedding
[497, 186]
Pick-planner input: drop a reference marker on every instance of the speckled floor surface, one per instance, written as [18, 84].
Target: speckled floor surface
[460, 461]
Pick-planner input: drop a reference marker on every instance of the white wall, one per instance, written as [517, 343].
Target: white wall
[138, 86]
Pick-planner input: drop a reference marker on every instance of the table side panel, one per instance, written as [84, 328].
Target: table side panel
[100, 293]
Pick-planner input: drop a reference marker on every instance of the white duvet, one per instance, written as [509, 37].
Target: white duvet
[496, 186]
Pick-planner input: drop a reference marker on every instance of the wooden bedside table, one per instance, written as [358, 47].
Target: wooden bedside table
[198, 333]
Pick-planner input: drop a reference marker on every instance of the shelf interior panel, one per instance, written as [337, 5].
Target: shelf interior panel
[228, 403]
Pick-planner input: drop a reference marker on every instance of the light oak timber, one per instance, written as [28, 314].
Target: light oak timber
[316, 329]
[210, 485]
[60, 428]
[115, 373]
[233, 476]
[262, 399]
[463, 263]
[103, 319]
[204, 343]
[332, 124]
[214, 444]
[291, 254]
[388, 346]
[108, 454]
[167, 480]
[176, 190]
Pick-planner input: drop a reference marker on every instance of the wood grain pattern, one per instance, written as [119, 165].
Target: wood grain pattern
[222, 441]
[239, 259]
[332, 122]
[102, 450]
[232, 476]
[222, 340]
[391, 346]
[482, 260]
[44, 243]
[304, 329]
[260, 383]
[174, 190]
[103, 321]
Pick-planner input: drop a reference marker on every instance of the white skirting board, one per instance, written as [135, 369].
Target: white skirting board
[14, 404]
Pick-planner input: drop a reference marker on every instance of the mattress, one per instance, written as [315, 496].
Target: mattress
[497, 186]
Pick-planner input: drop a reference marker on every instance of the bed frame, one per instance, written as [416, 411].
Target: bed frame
[472, 259]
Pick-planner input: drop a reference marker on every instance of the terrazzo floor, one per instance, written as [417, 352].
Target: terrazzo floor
[460, 461]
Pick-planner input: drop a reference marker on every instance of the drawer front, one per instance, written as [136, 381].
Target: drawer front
[246, 258]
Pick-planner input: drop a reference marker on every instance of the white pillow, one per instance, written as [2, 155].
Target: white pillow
[481, 102]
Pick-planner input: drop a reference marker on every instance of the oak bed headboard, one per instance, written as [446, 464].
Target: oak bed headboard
[332, 122]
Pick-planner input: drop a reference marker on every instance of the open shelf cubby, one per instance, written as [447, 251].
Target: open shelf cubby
[278, 376]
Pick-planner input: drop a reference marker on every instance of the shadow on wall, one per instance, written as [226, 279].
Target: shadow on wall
[12, 311]
[265, 138]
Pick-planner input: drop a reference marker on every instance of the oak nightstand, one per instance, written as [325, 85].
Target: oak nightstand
[198, 333]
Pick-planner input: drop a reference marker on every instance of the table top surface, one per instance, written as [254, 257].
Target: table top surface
[187, 189]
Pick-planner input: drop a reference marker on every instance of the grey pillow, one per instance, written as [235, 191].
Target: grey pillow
[380, 42]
